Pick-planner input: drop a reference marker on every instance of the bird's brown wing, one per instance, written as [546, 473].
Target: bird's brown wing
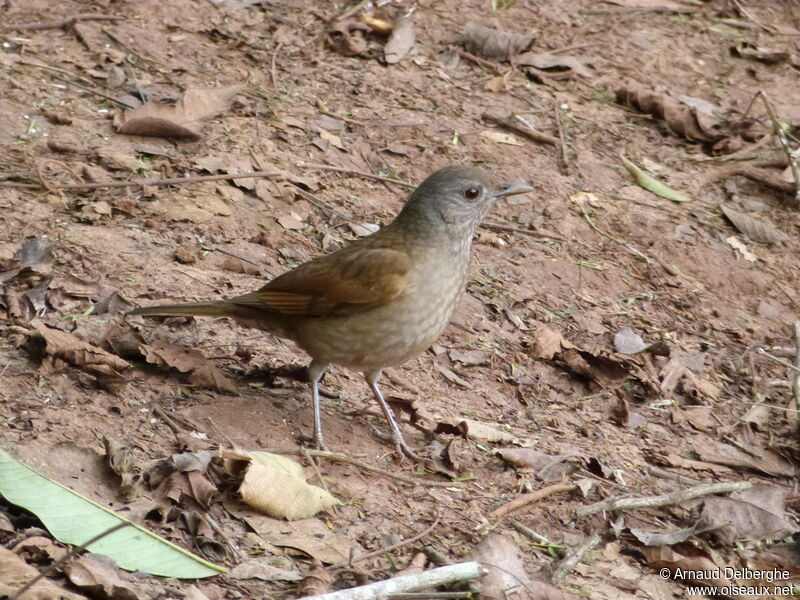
[351, 280]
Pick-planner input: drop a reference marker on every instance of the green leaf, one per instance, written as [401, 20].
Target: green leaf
[652, 184]
[73, 519]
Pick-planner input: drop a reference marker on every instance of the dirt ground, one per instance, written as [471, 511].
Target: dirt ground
[539, 381]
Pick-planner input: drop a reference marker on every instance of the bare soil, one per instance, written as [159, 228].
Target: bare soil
[531, 351]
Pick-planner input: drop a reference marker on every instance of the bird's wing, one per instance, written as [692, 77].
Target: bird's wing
[351, 280]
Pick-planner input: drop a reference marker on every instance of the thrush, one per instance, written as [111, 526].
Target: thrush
[382, 299]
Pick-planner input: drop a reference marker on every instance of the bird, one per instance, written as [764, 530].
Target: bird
[378, 301]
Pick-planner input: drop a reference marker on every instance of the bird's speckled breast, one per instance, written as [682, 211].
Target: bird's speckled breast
[397, 331]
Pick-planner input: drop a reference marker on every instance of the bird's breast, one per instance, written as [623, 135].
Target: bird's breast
[395, 332]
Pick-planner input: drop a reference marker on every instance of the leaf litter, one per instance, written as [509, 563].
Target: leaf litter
[534, 343]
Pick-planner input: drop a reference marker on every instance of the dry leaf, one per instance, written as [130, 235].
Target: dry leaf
[627, 341]
[547, 467]
[666, 5]
[554, 62]
[767, 55]
[187, 360]
[494, 44]
[276, 486]
[737, 244]
[16, 573]
[473, 429]
[402, 39]
[93, 575]
[52, 345]
[755, 514]
[679, 118]
[182, 120]
[758, 230]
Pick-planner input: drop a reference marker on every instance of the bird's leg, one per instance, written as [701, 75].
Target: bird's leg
[403, 449]
[315, 372]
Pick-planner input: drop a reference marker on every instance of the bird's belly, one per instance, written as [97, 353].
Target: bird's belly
[385, 336]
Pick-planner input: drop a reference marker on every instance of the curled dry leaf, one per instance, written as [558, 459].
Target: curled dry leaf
[187, 360]
[182, 120]
[317, 581]
[347, 37]
[767, 55]
[680, 119]
[53, 345]
[95, 576]
[627, 341]
[494, 44]
[276, 486]
[758, 230]
[545, 61]
[402, 39]
[547, 467]
[755, 514]
[16, 573]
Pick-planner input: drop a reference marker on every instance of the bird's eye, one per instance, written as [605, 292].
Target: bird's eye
[472, 193]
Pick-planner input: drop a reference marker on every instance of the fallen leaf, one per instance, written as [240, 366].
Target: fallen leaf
[187, 360]
[755, 514]
[547, 467]
[181, 120]
[473, 429]
[276, 486]
[494, 44]
[627, 341]
[737, 244]
[554, 62]
[758, 230]
[16, 573]
[402, 39]
[500, 137]
[93, 574]
[755, 458]
[766, 55]
[265, 570]
[667, 5]
[53, 345]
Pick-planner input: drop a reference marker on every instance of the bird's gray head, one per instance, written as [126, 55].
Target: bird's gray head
[453, 201]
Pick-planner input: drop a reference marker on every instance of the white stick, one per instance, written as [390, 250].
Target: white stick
[406, 583]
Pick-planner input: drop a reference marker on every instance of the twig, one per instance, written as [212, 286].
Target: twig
[273, 71]
[336, 457]
[73, 551]
[137, 182]
[747, 14]
[575, 555]
[479, 61]
[319, 204]
[762, 176]
[563, 144]
[531, 134]
[792, 155]
[780, 361]
[532, 497]
[407, 583]
[363, 174]
[530, 533]
[62, 23]
[391, 548]
[431, 596]
[325, 111]
[512, 229]
[671, 499]
[796, 383]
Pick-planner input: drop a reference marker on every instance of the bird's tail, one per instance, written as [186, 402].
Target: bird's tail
[190, 309]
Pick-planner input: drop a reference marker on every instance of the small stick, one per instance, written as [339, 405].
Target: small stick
[530, 533]
[780, 361]
[664, 499]
[62, 23]
[574, 557]
[137, 182]
[479, 61]
[531, 134]
[407, 583]
[563, 144]
[363, 174]
[391, 548]
[791, 155]
[273, 72]
[796, 383]
[532, 497]
[512, 229]
[336, 457]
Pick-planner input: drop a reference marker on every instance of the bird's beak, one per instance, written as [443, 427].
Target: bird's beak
[510, 189]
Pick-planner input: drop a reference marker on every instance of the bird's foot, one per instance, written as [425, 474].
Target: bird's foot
[400, 445]
[315, 441]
